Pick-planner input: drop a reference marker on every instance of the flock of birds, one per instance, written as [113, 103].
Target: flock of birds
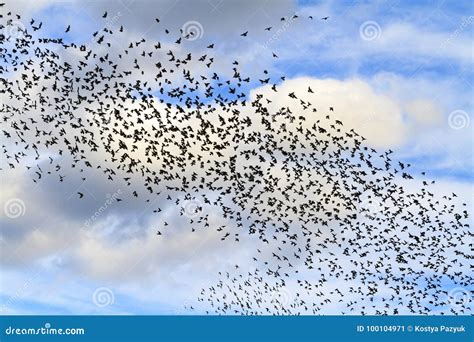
[334, 218]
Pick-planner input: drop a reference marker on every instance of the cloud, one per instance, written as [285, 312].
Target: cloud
[424, 112]
[124, 253]
[385, 121]
[404, 39]
[121, 249]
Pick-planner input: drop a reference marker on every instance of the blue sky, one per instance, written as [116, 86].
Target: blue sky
[415, 62]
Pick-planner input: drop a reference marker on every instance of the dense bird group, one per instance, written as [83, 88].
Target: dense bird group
[338, 223]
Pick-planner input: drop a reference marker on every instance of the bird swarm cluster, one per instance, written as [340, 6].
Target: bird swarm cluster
[335, 221]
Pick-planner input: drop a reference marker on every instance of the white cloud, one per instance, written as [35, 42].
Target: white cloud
[380, 118]
[167, 268]
[424, 112]
[408, 40]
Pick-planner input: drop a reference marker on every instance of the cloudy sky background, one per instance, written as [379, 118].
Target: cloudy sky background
[401, 74]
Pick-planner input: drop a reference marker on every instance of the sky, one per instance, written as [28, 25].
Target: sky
[399, 72]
